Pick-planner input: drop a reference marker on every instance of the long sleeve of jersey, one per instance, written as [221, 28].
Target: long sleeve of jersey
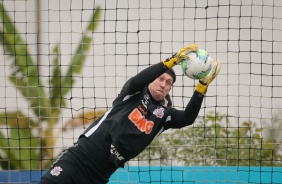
[144, 78]
[180, 118]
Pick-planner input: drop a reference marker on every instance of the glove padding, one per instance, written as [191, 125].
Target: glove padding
[204, 82]
[182, 54]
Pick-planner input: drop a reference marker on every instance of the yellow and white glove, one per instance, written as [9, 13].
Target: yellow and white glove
[203, 83]
[182, 54]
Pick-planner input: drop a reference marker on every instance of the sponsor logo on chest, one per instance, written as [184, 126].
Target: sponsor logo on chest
[145, 101]
[140, 121]
[137, 116]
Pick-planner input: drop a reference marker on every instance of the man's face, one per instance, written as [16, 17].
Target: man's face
[161, 86]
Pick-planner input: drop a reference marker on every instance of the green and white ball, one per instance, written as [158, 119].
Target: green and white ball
[198, 65]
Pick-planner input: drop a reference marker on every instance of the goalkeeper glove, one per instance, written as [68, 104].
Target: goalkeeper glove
[203, 83]
[182, 54]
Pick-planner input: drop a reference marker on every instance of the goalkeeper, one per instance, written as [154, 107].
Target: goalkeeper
[140, 113]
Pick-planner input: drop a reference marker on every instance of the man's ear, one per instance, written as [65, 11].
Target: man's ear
[149, 87]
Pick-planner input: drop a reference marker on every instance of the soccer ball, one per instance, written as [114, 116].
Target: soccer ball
[198, 65]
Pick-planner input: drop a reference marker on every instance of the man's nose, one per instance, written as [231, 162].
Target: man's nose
[163, 83]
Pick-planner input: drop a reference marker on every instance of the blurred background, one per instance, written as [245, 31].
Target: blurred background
[62, 64]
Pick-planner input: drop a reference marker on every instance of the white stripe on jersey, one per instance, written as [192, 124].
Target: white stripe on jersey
[93, 129]
[168, 119]
[129, 96]
[160, 131]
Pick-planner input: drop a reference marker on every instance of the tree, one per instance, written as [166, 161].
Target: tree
[207, 142]
[25, 144]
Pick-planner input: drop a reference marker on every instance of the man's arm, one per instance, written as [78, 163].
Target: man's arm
[148, 75]
[182, 118]
[144, 78]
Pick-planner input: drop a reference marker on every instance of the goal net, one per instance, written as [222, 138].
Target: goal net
[62, 64]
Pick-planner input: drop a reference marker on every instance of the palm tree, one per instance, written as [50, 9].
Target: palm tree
[26, 143]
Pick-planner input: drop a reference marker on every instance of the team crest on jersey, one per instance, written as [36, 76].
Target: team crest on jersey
[159, 112]
[56, 171]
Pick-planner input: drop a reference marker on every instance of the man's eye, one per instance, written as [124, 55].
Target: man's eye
[169, 83]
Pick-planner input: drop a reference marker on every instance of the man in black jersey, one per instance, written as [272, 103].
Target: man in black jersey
[140, 112]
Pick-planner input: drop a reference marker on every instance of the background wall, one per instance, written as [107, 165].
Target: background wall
[132, 35]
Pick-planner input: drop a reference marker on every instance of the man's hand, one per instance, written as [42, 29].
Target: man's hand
[182, 54]
[204, 82]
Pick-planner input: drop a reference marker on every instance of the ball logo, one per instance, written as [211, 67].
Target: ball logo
[198, 65]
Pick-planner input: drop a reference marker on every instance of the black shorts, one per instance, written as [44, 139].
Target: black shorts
[82, 163]
[61, 173]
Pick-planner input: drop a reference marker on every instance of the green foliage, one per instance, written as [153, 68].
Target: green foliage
[208, 142]
[25, 143]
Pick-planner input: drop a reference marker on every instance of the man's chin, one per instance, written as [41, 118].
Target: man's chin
[159, 97]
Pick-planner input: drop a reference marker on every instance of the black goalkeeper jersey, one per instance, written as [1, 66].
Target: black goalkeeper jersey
[132, 123]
